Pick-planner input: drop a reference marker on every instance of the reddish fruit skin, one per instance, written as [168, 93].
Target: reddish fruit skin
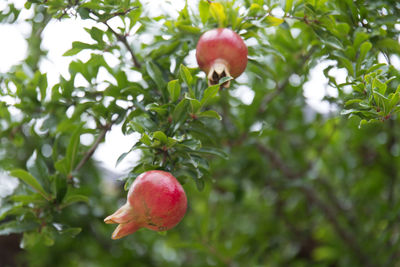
[156, 200]
[222, 45]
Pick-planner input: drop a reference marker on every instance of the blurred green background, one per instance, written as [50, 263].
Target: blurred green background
[271, 179]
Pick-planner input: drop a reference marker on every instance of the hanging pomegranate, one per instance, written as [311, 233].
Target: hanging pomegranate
[156, 200]
[221, 53]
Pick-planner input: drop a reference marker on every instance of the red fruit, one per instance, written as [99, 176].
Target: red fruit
[220, 53]
[156, 200]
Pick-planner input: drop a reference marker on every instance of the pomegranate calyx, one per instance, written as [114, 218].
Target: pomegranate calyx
[122, 215]
[127, 223]
[125, 229]
[219, 70]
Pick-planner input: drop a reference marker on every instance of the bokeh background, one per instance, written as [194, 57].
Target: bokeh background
[293, 180]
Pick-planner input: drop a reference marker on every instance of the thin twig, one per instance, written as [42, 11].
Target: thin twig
[269, 97]
[280, 87]
[122, 39]
[277, 161]
[304, 19]
[122, 13]
[90, 152]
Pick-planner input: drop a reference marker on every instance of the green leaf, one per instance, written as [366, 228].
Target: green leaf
[194, 104]
[37, 167]
[209, 93]
[224, 80]
[78, 47]
[347, 64]
[161, 137]
[204, 10]
[142, 124]
[273, 21]
[362, 123]
[364, 49]
[165, 50]
[334, 43]
[161, 110]
[325, 253]
[254, 9]
[71, 231]
[352, 101]
[122, 157]
[218, 13]
[212, 151]
[171, 142]
[73, 198]
[62, 166]
[375, 67]
[72, 149]
[15, 227]
[394, 100]
[186, 76]
[380, 86]
[45, 236]
[199, 183]
[30, 180]
[187, 28]
[162, 233]
[288, 6]
[381, 101]
[180, 111]
[145, 139]
[134, 16]
[71, 52]
[389, 45]
[61, 187]
[359, 39]
[26, 199]
[48, 238]
[174, 89]
[4, 210]
[156, 75]
[83, 12]
[96, 34]
[43, 86]
[210, 114]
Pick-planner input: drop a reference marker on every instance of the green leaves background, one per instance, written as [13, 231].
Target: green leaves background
[270, 182]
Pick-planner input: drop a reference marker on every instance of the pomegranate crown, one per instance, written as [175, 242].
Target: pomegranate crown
[221, 53]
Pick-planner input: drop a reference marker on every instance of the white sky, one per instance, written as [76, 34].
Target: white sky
[58, 37]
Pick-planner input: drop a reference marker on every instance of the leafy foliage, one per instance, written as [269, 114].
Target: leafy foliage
[270, 182]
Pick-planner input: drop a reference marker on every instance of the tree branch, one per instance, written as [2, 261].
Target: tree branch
[269, 97]
[91, 151]
[277, 161]
[304, 19]
[122, 39]
[312, 196]
[280, 87]
[331, 216]
[122, 13]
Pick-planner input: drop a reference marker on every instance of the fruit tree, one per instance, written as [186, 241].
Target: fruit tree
[263, 133]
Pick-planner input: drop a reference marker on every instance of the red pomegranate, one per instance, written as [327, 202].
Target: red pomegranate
[220, 53]
[156, 200]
